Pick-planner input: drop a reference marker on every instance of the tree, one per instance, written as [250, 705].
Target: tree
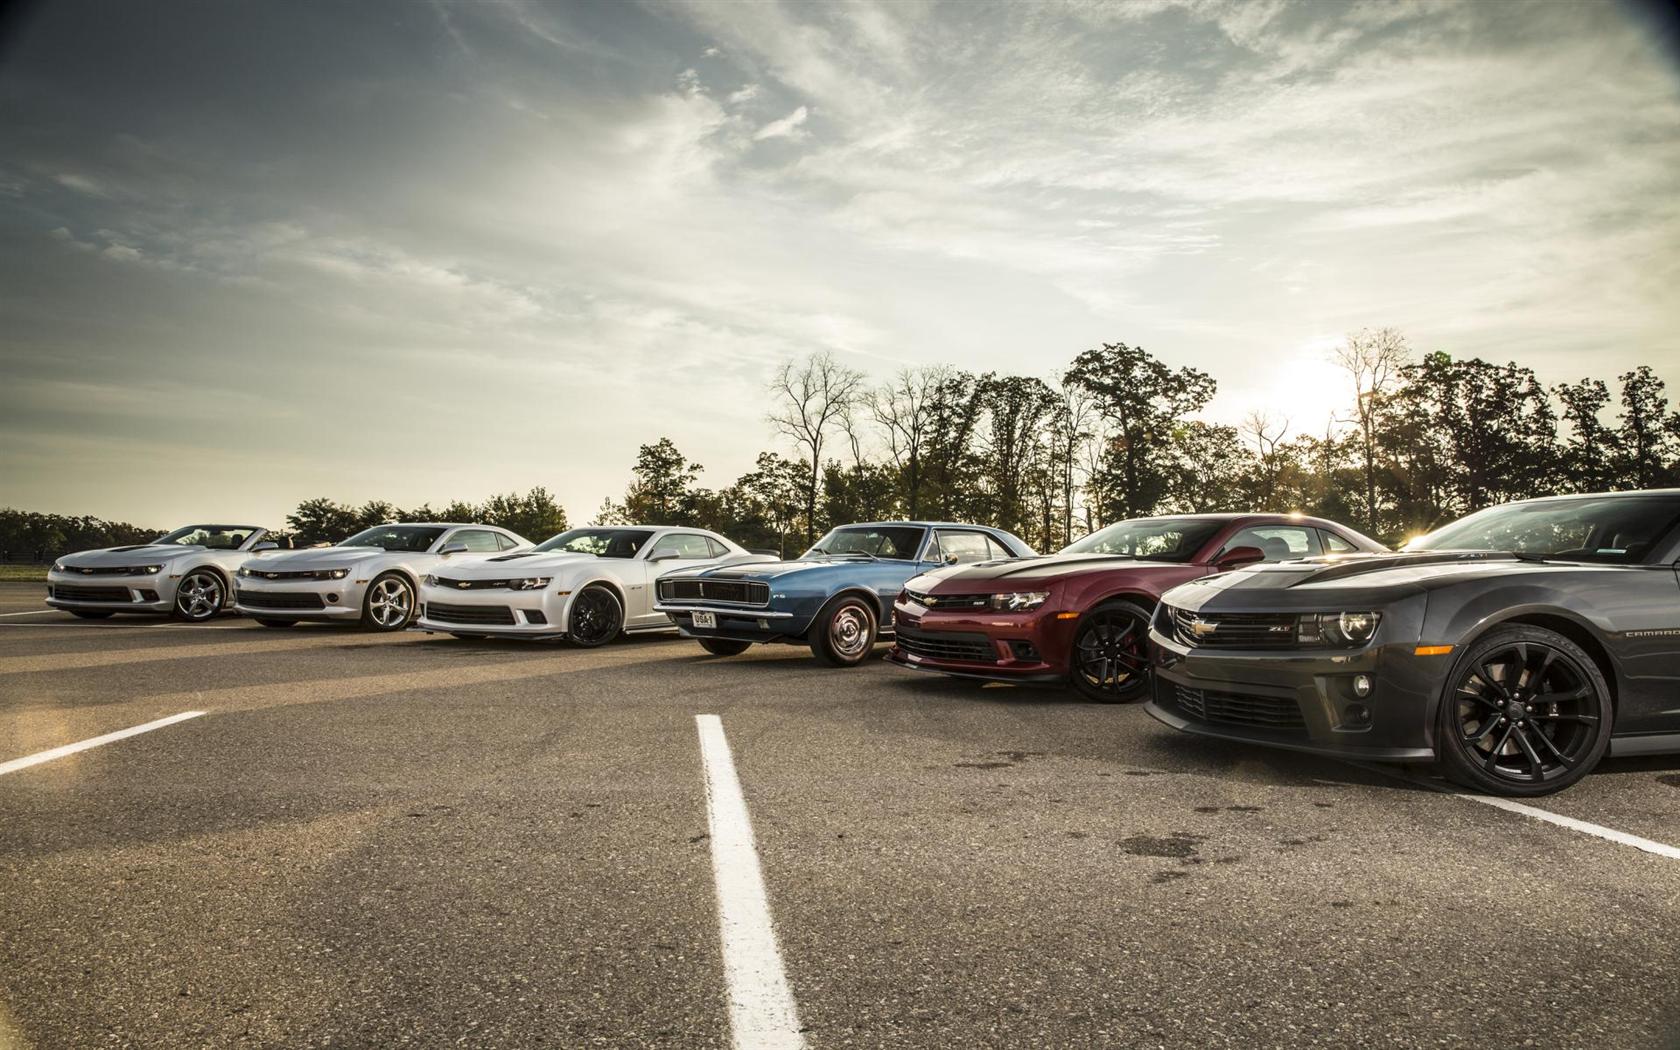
[774, 492]
[1211, 464]
[1144, 401]
[1373, 361]
[318, 521]
[535, 515]
[1590, 456]
[1649, 432]
[1264, 434]
[1016, 409]
[902, 410]
[662, 486]
[816, 396]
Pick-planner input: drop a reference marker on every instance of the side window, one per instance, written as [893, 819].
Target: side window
[1334, 544]
[682, 545]
[1279, 542]
[998, 549]
[479, 541]
[962, 547]
[932, 552]
[718, 549]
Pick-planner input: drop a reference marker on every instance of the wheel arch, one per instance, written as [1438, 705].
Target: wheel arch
[1573, 627]
[882, 607]
[609, 583]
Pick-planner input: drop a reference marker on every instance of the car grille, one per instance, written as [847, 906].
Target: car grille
[278, 599]
[951, 601]
[291, 574]
[1233, 630]
[109, 570]
[71, 592]
[495, 615]
[947, 645]
[729, 592]
[1258, 712]
[469, 585]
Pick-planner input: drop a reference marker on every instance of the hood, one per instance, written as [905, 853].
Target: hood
[769, 570]
[512, 564]
[1050, 567]
[136, 554]
[320, 557]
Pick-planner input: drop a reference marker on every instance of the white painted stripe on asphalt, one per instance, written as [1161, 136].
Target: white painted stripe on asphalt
[138, 626]
[762, 1015]
[31, 612]
[1585, 827]
[69, 749]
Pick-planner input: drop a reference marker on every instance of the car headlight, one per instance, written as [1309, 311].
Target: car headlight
[530, 583]
[1346, 629]
[336, 574]
[1019, 601]
[58, 566]
[245, 572]
[151, 570]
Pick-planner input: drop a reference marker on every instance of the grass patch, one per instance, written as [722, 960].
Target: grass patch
[24, 573]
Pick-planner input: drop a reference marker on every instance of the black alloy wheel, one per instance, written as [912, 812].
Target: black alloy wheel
[724, 646]
[596, 617]
[1526, 712]
[1110, 658]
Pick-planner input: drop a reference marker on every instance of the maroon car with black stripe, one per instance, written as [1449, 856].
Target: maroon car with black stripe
[1082, 616]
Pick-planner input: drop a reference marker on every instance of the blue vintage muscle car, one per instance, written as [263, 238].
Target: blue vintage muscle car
[837, 597]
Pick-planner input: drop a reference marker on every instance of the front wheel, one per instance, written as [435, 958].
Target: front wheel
[845, 635]
[389, 604]
[1526, 713]
[1110, 658]
[91, 614]
[596, 617]
[724, 646]
[199, 597]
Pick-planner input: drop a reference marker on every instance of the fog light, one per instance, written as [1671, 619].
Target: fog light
[1356, 715]
[1361, 685]
[332, 599]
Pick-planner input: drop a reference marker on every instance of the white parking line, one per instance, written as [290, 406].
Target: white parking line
[762, 1015]
[137, 626]
[69, 749]
[1585, 827]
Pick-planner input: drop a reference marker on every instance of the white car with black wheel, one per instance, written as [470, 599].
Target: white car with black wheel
[186, 574]
[372, 577]
[588, 586]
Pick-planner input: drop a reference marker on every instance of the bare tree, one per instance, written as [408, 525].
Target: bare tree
[1372, 359]
[1265, 433]
[817, 395]
[902, 409]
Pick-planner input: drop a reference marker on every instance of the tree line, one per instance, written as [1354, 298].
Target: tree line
[1419, 440]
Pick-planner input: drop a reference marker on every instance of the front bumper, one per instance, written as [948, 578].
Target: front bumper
[738, 624]
[983, 643]
[299, 599]
[500, 612]
[138, 593]
[1301, 700]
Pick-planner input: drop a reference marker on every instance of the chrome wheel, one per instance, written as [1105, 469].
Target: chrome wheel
[850, 633]
[199, 596]
[390, 603]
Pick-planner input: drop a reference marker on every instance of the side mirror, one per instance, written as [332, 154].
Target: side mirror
[453, 548]
[1237, 557]
[266, 545]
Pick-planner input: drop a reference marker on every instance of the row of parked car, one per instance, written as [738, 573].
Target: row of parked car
[1516, 647]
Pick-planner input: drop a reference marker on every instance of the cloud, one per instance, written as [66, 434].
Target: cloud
[791, 126]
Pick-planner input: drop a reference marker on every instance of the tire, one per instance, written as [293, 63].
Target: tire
[389, 603]
[1497, 732]
[844, 634]
[724, 646]
[266, 622]
[201, 594]
[92, 614]
[1109, 660]
[596, 617]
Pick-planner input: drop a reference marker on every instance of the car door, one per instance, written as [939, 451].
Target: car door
[669, 553]
[477, 541]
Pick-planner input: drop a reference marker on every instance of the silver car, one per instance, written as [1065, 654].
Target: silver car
[372, 577]
[185, 573]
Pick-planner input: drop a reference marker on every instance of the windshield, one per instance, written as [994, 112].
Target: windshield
[216, 537]
[603, 543]
[416, 539]
[900, 542]
[1616, 529]
[1151, 539]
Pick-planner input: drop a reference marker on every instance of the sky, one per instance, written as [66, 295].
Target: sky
[252, 253]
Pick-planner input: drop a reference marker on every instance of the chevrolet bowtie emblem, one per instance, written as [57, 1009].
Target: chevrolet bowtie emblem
[1201, 628]
[463, 585]
[87, 572]
[272, 575]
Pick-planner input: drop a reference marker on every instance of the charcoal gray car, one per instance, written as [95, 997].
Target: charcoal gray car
[1516, 647]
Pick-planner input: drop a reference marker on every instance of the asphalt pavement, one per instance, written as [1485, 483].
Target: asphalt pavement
[413, 840]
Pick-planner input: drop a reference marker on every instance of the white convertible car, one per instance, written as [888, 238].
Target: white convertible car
[586, 585]
[185, 573]
[373, 576]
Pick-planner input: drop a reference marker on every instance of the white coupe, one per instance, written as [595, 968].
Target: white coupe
[373, 576]
[586, 585]
[184, 573]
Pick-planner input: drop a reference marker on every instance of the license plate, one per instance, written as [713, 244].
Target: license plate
[705, 620]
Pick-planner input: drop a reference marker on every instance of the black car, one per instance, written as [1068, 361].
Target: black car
[1516, 646]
